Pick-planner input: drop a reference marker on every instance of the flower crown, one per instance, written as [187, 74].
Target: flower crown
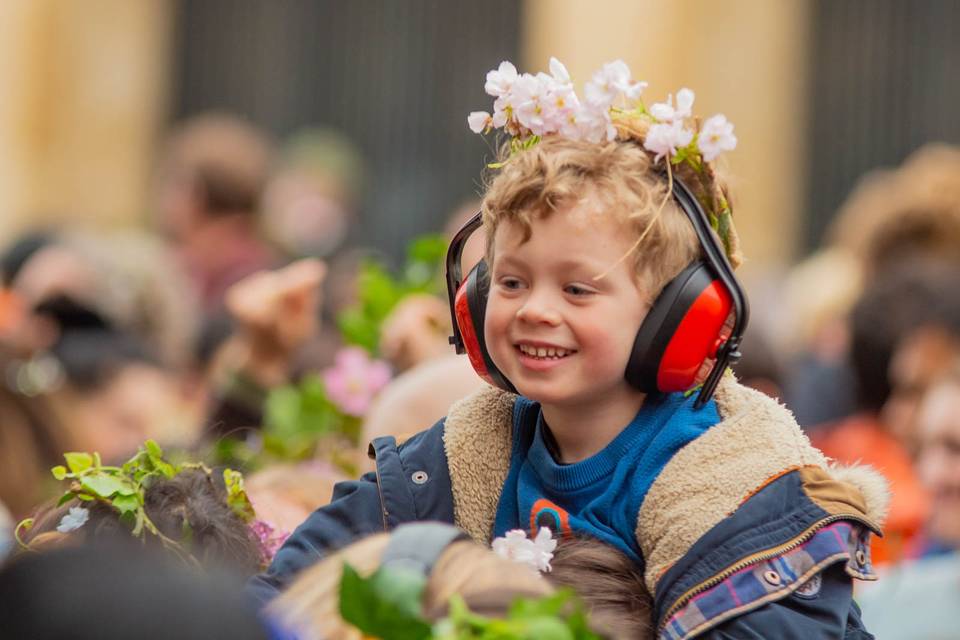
[124, 489]
[529, 107]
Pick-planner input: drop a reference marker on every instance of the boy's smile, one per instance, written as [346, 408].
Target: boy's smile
[560, 334]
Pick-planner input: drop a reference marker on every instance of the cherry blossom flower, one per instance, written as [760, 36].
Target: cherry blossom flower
[479, 121]
[664, 139]
[665, 111]
[536, 553]
[609, 82]
[716, 136]
[354, 380]
[73, 520]
[501, 80]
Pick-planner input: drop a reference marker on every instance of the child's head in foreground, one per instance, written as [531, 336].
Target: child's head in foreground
[581, 238]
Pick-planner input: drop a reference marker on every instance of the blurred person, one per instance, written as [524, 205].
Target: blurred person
[118, 593]
[813, 337]
[108, 390]
[913, 211]
[311, 200]
[274, 315]
[418, 396]
[211, 178]
[451, 562]
[919, 599]
[897, 303]
[938, 461]
[189, 515]
[128, 277]
[892, 216]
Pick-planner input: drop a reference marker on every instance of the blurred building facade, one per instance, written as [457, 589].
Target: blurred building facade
[819, 92]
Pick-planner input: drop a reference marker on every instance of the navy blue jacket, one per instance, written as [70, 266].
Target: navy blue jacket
[412, 482]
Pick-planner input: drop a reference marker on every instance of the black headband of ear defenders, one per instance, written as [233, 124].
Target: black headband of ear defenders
[729, 352]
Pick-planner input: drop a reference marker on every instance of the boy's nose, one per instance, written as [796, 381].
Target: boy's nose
[537, 310]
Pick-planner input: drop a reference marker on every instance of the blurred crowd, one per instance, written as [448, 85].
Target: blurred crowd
[203, 330]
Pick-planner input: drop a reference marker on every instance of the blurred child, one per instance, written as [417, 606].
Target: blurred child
[188, 511]
[487, 582]
[740, 527]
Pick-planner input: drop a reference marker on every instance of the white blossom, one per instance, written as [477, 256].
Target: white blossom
[500, 80]
[73, 520]
[536, 553]
[479, 121]
[716, 136]
[664, 139]
[665, 111]
[609, 82]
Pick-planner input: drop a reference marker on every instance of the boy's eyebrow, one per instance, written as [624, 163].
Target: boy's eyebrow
[567, 264]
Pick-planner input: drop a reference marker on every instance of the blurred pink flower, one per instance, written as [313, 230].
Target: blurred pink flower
[354, 379]
[269, 539]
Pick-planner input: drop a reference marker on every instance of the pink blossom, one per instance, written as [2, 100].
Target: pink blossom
[268, 539]
[354, 380]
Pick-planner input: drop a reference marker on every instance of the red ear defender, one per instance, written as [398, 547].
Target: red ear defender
[468, 307]
[681, 331]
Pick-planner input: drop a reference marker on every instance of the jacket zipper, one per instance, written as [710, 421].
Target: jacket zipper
[755, 558]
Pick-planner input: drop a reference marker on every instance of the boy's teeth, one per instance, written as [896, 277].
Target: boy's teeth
[543, 352]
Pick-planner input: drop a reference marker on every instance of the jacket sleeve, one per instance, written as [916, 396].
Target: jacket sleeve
[354, 510]
[825, 610]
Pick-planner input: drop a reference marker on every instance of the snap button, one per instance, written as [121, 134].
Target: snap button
[772, 577]
[861, 557]
[419, 477]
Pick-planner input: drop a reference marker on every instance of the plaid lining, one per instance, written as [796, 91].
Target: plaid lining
[748, 588]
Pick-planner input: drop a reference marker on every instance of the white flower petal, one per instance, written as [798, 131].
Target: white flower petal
[558, 71]
[479, 120]
[73, 520]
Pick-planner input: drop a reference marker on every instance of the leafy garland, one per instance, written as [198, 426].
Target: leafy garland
[387, 605]
[124, 489]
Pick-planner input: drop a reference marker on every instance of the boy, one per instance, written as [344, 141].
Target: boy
[740, 528]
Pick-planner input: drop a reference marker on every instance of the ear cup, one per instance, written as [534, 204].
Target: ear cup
[470, 308]
[682, 330]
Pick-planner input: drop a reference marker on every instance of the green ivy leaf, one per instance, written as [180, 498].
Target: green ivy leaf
[78, 461]
[386, 605]
[65, 498]
[59, 472]
[237, 497]
[153, 449]
[105, 486]
[126, 504]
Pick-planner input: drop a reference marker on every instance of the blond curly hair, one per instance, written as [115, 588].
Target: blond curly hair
[557, 172]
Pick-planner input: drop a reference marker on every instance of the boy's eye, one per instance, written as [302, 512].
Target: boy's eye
[511, 283]
[577, 290]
